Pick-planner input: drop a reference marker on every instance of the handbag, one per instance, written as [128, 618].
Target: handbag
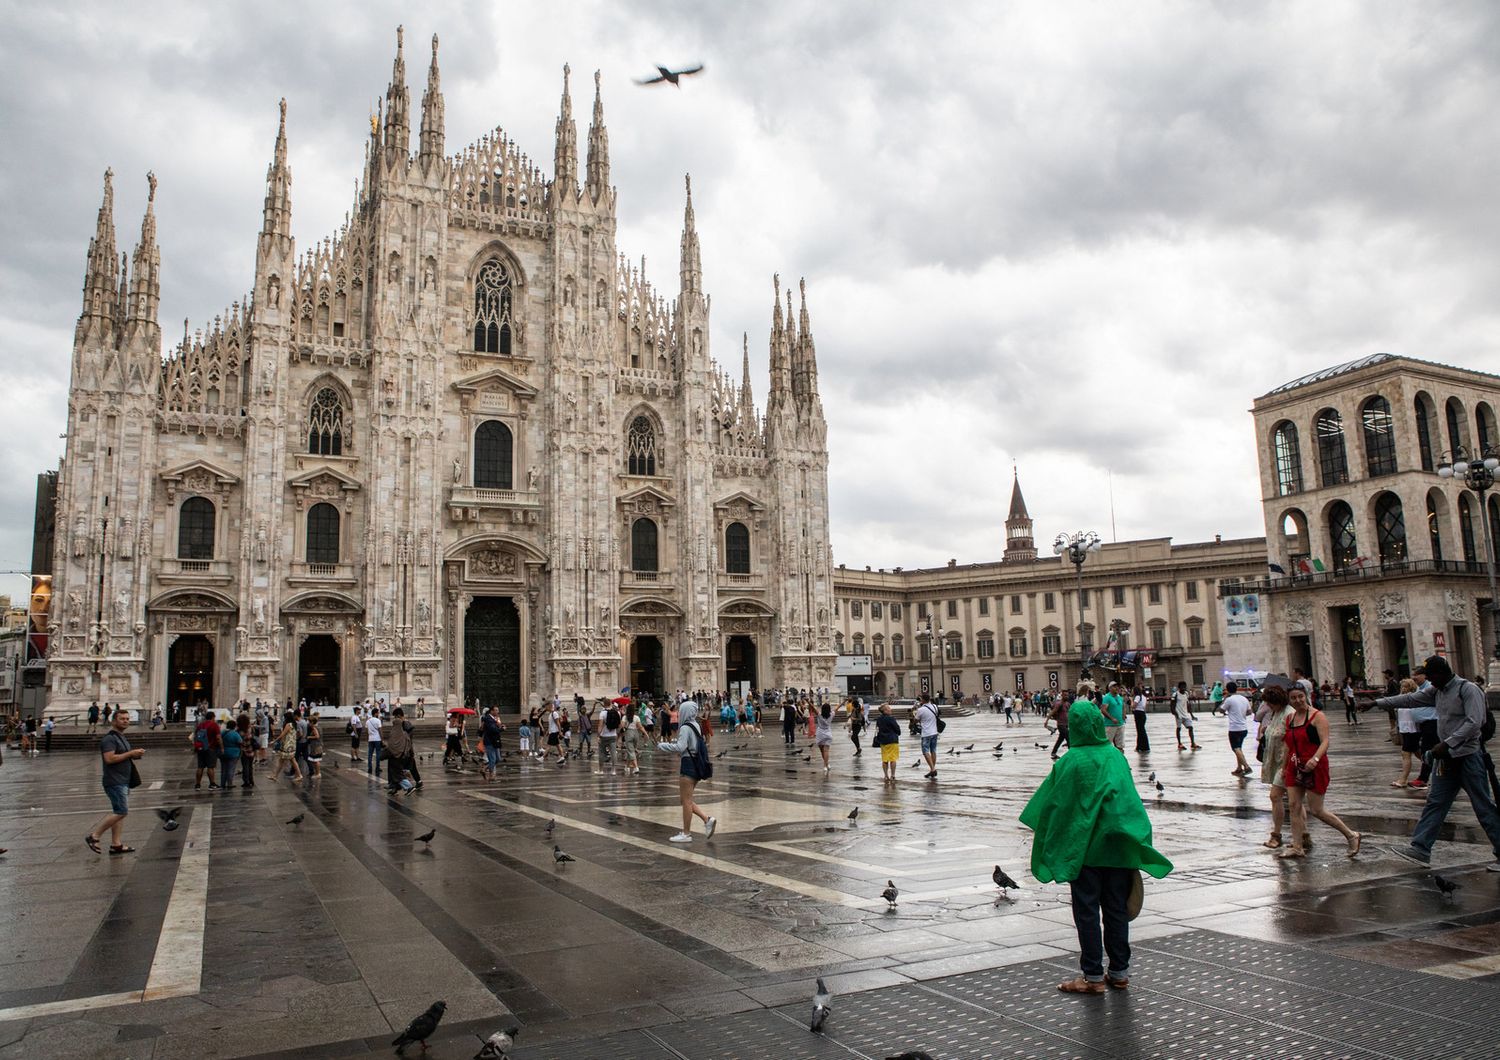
[1260, 749]
[135, 776]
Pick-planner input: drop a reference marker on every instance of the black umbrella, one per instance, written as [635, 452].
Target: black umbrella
[1277, 681]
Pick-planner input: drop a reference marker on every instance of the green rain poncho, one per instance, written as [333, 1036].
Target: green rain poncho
[1087, 811]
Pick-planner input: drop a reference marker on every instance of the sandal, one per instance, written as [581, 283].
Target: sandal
[1398, 783]
[93, 844]
[122, 850]
[1274, 842]
[1293, 852]
[1354, 844]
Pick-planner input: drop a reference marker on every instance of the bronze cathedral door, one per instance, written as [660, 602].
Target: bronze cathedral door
[492, 654]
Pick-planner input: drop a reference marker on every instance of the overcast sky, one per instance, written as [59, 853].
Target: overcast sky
[1034, 233]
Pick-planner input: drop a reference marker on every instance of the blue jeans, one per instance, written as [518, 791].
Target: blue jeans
[491, 755]
[1106, 891]
[929, 745]
[1449, 776]
[372, 757]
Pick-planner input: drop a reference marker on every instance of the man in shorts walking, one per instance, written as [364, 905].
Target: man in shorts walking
[927, 722]
[1182, 708]
[1237, 710]
[117, 755]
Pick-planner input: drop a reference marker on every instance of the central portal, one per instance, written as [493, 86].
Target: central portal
[318, 670]
[739, 662]
[492, 653]
[190, 672]
[645, 665]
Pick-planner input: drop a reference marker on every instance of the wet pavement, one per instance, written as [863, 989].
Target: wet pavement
[241, 934]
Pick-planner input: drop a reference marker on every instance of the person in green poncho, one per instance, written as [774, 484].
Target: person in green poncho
[1092, 832]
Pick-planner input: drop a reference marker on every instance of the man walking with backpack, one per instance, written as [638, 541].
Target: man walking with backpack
[928, 726]
[609, 734]
[206, 746]
[1458, 757]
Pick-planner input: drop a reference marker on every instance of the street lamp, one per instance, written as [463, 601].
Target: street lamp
[1477, 471]
[933, 648]
[1075, 547]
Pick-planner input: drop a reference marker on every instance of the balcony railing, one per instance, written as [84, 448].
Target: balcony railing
[322, 572]
[202, 569]
[1367, 570]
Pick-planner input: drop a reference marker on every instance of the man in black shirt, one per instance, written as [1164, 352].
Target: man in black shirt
[118, 756]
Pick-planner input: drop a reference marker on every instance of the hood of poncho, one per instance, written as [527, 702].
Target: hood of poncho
[1087, 811]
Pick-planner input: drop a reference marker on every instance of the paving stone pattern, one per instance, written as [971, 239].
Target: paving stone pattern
[323, 938]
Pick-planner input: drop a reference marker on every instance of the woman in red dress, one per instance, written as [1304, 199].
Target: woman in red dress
[1306, 774]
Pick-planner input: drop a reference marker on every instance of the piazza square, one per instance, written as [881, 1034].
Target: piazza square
[1054, 616]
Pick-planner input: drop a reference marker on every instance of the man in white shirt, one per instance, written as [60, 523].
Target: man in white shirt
[927, 718]
[1237, 708]
[372, 750]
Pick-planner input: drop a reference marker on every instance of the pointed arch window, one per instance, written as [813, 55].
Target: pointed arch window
[1380, 437]
[640, 447]
[643, 546]
[494, 450]
[323, 534]
[1390, 529]
[195, 529]
[736, 549]
[1288, 458]
[1341, 536]
[1333, 460]
[493, 326]
[325, 423]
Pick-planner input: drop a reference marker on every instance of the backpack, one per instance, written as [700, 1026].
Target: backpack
[702, 764]
[938, 714]
[612, 719]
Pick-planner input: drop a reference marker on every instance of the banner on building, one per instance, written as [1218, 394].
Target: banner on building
[1242, 613]
[955, 683]
[926, 685]
[1053, 680]
[1020, 680]
[988, 681]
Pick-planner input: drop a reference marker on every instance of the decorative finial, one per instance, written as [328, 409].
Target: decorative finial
[596, 82]
[434, 47]
[151, 183]
[400, 33]
[283, 112]
[687, 178]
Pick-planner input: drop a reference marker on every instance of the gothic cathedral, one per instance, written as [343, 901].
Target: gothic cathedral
[461, 450]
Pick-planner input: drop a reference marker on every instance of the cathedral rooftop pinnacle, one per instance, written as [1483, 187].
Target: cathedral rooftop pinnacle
[598, 159]
[565, 154]
[430, 149]
[691, 260]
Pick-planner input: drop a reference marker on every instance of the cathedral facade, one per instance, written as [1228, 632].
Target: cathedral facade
[461, 449]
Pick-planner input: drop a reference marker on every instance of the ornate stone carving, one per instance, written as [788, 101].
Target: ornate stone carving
[1299, 618]
[1390, 608]
[492, 563]
[1458, 605]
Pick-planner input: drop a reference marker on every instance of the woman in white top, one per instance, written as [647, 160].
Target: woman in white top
[823, 732]
[1182, 708]
[1410, 734]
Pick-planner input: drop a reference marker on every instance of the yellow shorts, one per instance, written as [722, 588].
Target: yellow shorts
[889, 752]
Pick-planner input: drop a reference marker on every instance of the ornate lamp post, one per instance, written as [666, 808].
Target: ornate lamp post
[1477, 472]
[1075, 547]
[933, 647]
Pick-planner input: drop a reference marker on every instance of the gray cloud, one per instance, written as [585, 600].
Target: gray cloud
[1031, 233]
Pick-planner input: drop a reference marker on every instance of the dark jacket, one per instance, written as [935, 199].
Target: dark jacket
[398, 738]
[887, 730]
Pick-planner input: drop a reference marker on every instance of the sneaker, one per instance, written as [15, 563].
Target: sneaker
[1417, 784]
[1493, 866]
[681, 837]
[1412, 854]
[708, 829]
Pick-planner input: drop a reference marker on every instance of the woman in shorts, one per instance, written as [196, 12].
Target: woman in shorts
[888, 739]
[1411, 737]
[689, 736]
[314, 746]
[635, 733]
[286, 750]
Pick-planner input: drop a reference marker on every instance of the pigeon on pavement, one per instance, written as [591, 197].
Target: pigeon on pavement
[559, 855]
[1152, 777]
[298, 819]
[722, 753]
[1003, 881]
[549, 826]
[854, 813]
[1161, 789]
[421, 1028]
[915, 764]
[820, 1007]
[1445, 885]
[497, 1046]
[426, 838]
[912, 1054]
[169, 818]
[1000, 746]
[890, 893]
[969, 748]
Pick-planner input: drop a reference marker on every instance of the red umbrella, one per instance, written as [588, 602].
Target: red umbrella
[620, 701]
[460, 710]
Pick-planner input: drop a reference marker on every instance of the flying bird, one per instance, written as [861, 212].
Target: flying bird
[169, 818]
[559, 855]
[1445, 885]
[854, 813]
[890, 893]
[298, 819]
[1005, 883]
[820, 1012]
[674, 77]
[426, 838]
[497, 1046]
[421, 1028]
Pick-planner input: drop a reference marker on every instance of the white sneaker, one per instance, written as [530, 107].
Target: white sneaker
[708, 829]
[681, 837]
